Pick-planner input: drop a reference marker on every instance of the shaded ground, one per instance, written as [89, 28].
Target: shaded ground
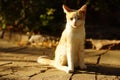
[19, 63]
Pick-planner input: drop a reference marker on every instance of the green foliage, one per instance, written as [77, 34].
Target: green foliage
[47, 17]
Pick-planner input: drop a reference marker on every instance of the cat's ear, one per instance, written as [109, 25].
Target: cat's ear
[83, 8]
[66, 9]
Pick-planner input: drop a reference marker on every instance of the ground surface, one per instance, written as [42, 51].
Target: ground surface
[19, 63]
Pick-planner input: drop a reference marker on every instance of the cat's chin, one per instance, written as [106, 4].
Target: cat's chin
[75, 27]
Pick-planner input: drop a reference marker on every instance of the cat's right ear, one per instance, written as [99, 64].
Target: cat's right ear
[66, 9]
[83, 8]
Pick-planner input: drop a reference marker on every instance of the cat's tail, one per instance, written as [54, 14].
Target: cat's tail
[45, 61]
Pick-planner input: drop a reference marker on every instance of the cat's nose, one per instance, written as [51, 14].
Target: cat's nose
[75, 23]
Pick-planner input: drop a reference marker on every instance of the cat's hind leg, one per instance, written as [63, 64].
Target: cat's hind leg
[61, 63]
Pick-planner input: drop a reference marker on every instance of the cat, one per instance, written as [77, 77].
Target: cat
[70, 50]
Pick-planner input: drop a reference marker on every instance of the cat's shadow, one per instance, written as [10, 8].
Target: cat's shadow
[99, 69]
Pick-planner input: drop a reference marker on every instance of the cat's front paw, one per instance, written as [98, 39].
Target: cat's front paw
[69, 71]
[83, 66]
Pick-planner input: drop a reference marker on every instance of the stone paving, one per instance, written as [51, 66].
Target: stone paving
[19, 63]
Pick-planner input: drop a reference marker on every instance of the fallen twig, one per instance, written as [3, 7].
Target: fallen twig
[98, 44]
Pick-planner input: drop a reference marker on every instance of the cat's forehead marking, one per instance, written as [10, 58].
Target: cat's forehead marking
[73, 14]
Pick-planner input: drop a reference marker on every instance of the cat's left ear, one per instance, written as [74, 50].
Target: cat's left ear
[83, 8]
[66, 9]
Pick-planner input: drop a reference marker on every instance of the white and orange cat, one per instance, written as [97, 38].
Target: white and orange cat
[70, 51]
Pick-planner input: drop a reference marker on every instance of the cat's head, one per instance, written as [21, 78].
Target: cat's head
[75, 18]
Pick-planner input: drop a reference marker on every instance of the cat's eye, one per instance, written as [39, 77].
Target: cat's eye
[71, 18]
[78, 18]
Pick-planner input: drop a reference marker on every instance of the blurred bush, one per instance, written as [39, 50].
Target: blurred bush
[47, 17]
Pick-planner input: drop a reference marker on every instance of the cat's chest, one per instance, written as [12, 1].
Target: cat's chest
[75, 38]
[75, 34]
